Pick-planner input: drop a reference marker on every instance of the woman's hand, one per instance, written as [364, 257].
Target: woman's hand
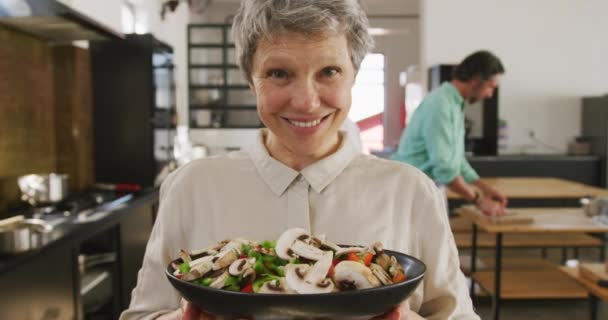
[399, 313]
[192, 312]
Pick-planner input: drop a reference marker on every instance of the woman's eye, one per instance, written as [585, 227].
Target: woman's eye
[330, 72]
[277, 74]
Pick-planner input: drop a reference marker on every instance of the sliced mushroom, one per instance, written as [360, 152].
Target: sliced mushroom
[304, 250]
[320, 269]
[199, 268]
[324, 244]
[343, 251]
[240, 265]
[218, 283]
[381, 274]
[235, 244]
[249, 275]
[274, 287]
[295, 276]
[394, 267]
[286, 240]
[184, 255]
[354, 275]
[211, 250]
[224, 259]
[383, 260]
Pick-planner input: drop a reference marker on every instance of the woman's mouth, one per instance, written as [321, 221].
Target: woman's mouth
[307, 124]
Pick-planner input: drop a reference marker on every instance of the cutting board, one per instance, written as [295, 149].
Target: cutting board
[510, 218]
[595, 272]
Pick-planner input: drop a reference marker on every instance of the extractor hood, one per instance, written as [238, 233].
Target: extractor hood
[52, 21]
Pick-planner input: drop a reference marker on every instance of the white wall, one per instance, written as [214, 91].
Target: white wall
[107, 11]
[554, 51]
[171, 30]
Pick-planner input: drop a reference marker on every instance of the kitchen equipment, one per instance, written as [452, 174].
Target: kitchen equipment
[19, 235]
[334, 305]
[43, 188]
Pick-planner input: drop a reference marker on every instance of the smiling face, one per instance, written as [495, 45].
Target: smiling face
[303, 89]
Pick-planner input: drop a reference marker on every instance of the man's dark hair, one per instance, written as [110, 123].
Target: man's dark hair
[481, 63]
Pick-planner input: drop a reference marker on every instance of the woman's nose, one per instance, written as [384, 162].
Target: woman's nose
[305, 96]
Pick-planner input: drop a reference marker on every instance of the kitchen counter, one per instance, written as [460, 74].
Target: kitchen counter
[49, 280]
[73, 231]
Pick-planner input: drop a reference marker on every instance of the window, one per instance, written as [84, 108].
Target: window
[369, 102]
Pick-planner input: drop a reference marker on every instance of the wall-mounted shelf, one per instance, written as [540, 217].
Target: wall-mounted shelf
[219, 97]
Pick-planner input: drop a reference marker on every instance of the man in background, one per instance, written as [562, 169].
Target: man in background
[433, 140]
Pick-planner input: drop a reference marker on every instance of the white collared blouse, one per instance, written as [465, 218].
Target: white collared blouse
[350, 197]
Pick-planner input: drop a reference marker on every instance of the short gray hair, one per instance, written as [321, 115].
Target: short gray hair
[261, 19]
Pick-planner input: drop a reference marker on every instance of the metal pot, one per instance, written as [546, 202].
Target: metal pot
[43, 188]
[21, 235]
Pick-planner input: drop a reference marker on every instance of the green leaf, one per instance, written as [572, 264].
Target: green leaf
[184, 267]
[205, 282]
[231, 281]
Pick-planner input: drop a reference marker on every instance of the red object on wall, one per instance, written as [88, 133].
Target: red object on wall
[402, 116]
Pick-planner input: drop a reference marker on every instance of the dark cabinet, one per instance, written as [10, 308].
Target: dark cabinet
[134, 108]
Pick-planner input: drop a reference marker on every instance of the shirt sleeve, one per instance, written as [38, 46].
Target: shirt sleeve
[154, 296]
[468, 173]
[438, 138]
[445, 293]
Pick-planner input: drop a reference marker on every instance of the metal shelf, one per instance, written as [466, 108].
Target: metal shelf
[213, 66]
[212, 45]
[222, 107]
[219, 86]
[224, 115]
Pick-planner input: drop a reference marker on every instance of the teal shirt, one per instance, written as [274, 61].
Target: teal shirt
[433, 141]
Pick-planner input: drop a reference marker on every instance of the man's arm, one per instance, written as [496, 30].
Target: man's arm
[484, 201]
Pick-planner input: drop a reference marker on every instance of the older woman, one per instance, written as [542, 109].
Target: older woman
[301, 58]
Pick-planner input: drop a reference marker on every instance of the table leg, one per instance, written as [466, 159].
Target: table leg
[473, 258]
[593, 304]
[497, 275]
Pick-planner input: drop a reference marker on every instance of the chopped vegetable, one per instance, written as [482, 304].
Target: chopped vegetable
[399, 277]
[184, 268]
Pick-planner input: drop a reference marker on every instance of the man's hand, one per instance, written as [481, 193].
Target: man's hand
[492, 193]
[489, 207]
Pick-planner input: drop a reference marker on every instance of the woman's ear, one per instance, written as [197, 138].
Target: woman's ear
[252, 88]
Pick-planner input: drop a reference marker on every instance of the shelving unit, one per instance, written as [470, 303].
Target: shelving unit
[219, 96]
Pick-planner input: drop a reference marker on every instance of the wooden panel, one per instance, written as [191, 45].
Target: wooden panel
[532, 284]
[487, 263]
[74, 122]
[539, 188]
[546, 220]
[460, 224]
[598, 291]
[485, 240]
[27, 123]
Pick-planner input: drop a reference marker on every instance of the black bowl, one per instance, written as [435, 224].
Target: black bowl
[336, 305]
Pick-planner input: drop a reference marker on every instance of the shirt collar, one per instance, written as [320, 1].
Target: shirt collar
[453, 94]
[319, 175]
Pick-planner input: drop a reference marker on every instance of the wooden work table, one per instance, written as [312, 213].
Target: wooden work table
[539, 188]
[595, 292]
[545, 221]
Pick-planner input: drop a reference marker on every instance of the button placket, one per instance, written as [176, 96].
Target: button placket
[298, 214]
